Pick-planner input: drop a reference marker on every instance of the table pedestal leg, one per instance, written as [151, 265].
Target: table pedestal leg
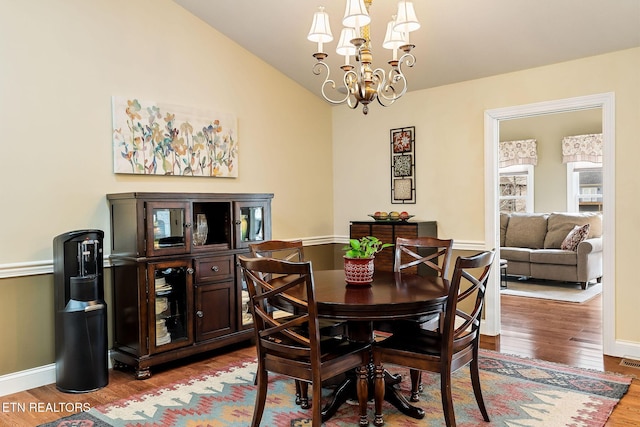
[348, 390]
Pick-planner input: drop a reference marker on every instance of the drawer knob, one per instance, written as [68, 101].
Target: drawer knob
[190, 270]
[214, 268]
[199, 313]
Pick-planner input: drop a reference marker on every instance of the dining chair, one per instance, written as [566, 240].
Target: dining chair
[449, 348]
[422, 255]
[293, 250]
[292, 345]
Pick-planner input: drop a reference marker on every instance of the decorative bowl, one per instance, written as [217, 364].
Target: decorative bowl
[391, 218]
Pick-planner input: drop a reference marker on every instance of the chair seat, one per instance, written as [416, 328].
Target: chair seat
[330, 349]
[429, 322]
[423, 342]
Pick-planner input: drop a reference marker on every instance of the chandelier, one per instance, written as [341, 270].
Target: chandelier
[361, 84]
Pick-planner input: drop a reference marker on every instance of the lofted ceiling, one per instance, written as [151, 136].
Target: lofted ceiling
[459, 39]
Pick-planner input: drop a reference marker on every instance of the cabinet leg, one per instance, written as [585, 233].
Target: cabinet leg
[120, 366]
[143, 374]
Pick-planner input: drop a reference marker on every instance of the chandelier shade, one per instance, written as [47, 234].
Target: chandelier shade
[345, 47]
[320, 31]
[361, 82]
[356, 14]
[406, 20]
[393, 39]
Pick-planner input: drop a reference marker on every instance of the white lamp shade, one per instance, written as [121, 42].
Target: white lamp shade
[406, 20]
[393, 39]
[320, 31]
[345, 47]
[355, 14]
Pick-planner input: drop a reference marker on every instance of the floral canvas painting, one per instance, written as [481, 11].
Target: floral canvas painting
[152, 138]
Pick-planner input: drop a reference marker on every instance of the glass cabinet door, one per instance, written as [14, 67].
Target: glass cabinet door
[170, 302]
[246, 318]
[167, 228]
[252, 221]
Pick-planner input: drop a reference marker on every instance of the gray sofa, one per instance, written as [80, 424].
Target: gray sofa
[531, 245]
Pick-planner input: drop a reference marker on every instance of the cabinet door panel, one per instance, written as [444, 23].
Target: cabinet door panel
[170, 301]
[252, 222]
[167, 224]
[215, 310]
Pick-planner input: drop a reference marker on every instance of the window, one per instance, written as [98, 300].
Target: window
[516, 189]
[584, 187]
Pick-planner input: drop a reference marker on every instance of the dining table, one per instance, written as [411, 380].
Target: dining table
[391, 296]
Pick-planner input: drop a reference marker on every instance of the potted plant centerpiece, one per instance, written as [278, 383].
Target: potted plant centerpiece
[358, 259]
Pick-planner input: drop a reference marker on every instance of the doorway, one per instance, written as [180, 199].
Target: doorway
[605, 102]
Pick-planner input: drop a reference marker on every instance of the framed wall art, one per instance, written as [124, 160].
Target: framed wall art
[403, 165]
[153, 138]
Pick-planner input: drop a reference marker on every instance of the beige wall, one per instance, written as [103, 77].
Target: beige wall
[62, 60]
[550, 175]
[450, 149]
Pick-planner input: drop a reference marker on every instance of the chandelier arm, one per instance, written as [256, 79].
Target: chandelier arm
[387, 86]
[352, 86]
[317, 70]
[396, 79]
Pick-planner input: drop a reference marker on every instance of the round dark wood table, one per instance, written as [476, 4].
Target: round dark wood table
[391, 296]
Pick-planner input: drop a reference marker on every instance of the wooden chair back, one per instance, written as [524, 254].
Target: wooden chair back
[280, 249]
[281, 335]
[461, 326]
[423, 254]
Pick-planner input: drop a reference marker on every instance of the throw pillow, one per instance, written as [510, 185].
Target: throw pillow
[575, 236]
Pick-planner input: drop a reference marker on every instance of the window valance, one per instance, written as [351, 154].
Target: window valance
[523, 152]
[582, 148]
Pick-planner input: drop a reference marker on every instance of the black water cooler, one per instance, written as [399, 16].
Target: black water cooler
[81, 313]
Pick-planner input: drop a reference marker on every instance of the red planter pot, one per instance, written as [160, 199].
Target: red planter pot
[358, 271]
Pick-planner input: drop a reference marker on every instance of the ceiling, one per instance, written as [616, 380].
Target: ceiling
[459, 39]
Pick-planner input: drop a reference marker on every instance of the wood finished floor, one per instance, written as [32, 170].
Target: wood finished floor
[555, 331]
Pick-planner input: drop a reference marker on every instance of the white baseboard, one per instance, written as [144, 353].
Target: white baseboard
[16, 382]
[27, 379]
[626, 349]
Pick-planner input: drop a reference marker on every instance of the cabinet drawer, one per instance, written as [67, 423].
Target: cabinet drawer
[214, 268]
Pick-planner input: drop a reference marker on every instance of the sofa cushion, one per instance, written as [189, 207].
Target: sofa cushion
[560, 224]
[575, 236]
[554, 256]
[527, 231]
[515, 254]
[504, 221]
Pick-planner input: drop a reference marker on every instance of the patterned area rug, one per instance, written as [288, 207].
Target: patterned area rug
[517, 392]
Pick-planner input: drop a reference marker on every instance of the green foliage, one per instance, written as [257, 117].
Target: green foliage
[366, 247]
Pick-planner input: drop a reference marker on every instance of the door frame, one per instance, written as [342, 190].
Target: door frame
[492, 119]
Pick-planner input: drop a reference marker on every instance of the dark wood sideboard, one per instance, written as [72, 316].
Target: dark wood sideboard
[387, 231]
[175, 293]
